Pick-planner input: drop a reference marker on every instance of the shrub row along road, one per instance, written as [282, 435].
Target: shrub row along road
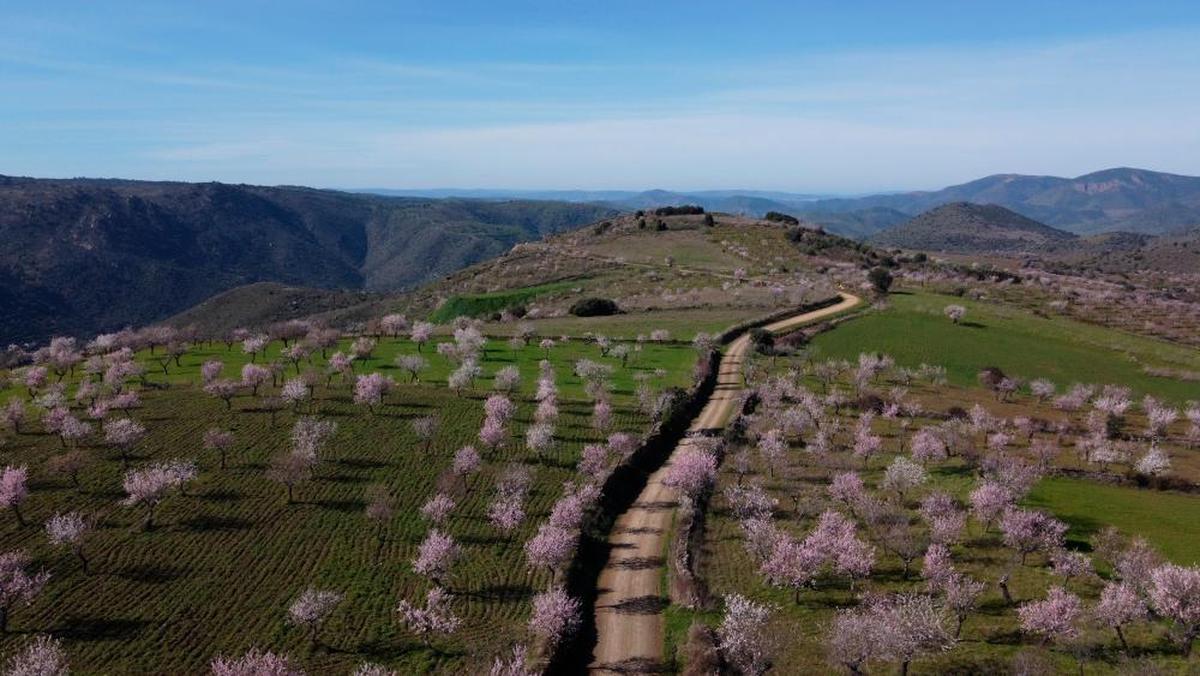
[629, 602]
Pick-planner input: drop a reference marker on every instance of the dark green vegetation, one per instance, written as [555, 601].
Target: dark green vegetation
[914, 331]
[972, 228]
[224, 560]
[1167, 520]
[82, 256]
[487, 304]
[594, 307]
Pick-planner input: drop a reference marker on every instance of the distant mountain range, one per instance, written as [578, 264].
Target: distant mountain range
[87, 255]
[972, 228]
[1134, 200]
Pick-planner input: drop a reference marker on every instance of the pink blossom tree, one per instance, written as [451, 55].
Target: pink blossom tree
[466, 463]
[743, 635]
[1119, 606]
[222, 389]
[421, 333]
[551, 548]
[989, 500]
[124, 434]
[14, 490]
[1056, 618]
[539, 437]
[1175, 595]
[435, 556]
[311, 608]
[255, 663]
[370, 389]
[69, 530]
[437, 508]
[41, 656]
[691, 471]
[291, 468]
[425, 429]
[1028, 531]
[773, 447]
[17, 585]
[254, 376]
[492, 434]
[435, 618]
[219, 440]
[556, 615]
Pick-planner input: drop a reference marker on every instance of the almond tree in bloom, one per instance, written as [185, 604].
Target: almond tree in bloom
[622, 445]
[902, 476]
[370, 389]
[291, 468]
[413, 365]
[219, 440]
[362, 348]
[17, 586]
[492, 434]
[211, 370]
[927, 447]
[437, 508]
[312, 608]
[435, 618]
[255, 663]
[507, 379]
[393, 325]
[1028, 531]
[436, 554]
[955, 312]
[691, 472]
[147, 487]
[425, 428]
[69, 464]
[988, 501]
[466, 463]
[1119, 606]
[421, 333]
[124, 434]
[295, 392]
[773, 448]
[222, 389]
[555, 616]
[551, 549]
[743, 634]
[1155, 462]
[41, 656]
[69, 529]
[513, 664]
[602, 415]
[1055, 618]
[13, 490]
[1175, 595]
[13, 415]
[254, 376]
[539, 437]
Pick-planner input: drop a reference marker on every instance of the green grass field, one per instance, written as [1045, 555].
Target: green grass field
[1168, 520]
[914, 331]
[217, 573]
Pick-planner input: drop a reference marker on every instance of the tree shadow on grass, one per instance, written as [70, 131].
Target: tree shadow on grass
[361, 463]
[501, 592]
[99, 628]
[347, 506]
[973, 325]
[208, 523]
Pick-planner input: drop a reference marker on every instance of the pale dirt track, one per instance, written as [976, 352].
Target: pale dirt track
[629, 605]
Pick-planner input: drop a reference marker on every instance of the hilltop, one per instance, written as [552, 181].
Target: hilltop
[74, 249]
[972, 228]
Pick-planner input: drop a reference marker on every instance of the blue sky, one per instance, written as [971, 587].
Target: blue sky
[805, 96]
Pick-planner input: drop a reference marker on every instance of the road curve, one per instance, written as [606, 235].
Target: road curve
[629, 603]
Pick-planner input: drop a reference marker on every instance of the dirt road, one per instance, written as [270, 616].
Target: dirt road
[629, 621]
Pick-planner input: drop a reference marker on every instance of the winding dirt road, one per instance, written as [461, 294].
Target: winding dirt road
[629, 605]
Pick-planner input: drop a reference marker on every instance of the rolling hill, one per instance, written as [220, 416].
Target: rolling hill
[88, 255]
[966, 227]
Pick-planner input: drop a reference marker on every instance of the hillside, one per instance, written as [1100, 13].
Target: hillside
[74, 248]
[1126, 253]
[1127, 199]
[972, 228]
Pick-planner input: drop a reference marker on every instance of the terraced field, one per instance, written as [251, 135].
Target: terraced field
[218, 571]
